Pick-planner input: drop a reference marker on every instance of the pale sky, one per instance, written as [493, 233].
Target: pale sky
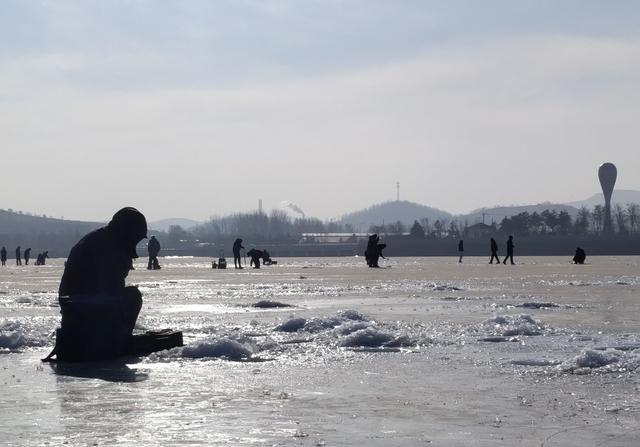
[199, 108]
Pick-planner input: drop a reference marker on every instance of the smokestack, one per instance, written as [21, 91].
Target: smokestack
[260, 206]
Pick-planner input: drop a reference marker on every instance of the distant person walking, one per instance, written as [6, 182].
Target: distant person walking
[460, 250]
[27, 256]
[494, 251]
[3, 255]
[18, 256]
[509, 251]
[153, 247]
[237, 261]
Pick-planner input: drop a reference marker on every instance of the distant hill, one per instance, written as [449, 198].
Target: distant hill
[497, 213]
[164, 224]
[390, 212]
[621, 196]
[15, 223]
[41, 233]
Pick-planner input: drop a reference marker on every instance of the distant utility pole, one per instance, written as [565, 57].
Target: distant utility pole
[398, 191]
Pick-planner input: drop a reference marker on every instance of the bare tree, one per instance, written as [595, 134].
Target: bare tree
[597, 218]
[632, 211]
[582, 221]
[621, 218]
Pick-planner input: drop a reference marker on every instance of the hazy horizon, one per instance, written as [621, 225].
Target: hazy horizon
[192, 108]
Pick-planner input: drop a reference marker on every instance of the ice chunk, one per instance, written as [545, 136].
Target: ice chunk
[367, 337]
[12, 341]
[511, 325]
[293, 325]
[222, 348]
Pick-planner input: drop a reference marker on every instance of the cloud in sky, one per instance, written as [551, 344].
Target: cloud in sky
[460, 119]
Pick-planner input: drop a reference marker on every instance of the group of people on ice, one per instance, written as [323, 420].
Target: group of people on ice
[254, 254]
[40, 259]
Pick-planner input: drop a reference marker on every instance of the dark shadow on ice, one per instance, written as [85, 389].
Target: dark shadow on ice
[107, 371]
[267, 304]
[537, 305]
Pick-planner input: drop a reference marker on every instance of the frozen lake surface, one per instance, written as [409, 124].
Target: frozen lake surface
[325, 351]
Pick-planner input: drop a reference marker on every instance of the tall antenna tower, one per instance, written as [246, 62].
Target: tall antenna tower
[397, 191]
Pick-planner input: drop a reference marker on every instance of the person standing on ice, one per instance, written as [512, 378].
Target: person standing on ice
[509, 251]
[153, 247]
[18, 256]
[237, 245]
[3, 255]
[460, 250]
[27, 256]
[494, 251]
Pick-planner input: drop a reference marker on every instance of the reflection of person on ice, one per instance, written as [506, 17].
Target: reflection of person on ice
[153, 247]
[237, 246]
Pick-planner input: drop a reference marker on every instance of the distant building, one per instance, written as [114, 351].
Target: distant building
[479, 231]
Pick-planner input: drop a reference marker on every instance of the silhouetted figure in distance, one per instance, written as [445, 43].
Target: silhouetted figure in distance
[27, 256]
[580, 256]
[94, 274]
[509, 251]
[494, 251]
[380, 248]
[255, 256]
[460, 250]
[18, 256]
[266, 258]
[40, 259]
[374, 251]
[3, 255]
[153, 247]
[237, 246]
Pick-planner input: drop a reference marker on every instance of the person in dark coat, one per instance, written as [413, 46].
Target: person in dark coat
[509, 251]
[27, 256]
[99, 263]
[580, 256]
[372, 253]
[494, 251]
[255, 256]
[266, 258]
[153, 247]
[460, 250]
[237, 246]
[40, 259]
[18, 256]
[3, 255]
